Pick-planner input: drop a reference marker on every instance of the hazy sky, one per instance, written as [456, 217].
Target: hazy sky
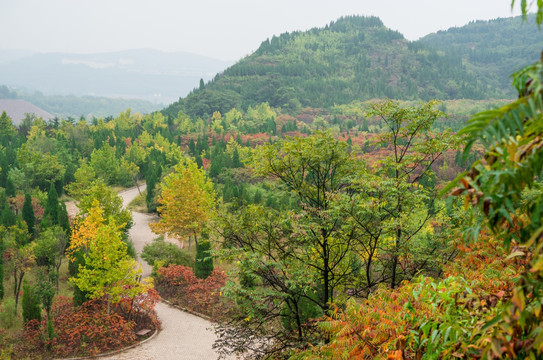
[224, 29]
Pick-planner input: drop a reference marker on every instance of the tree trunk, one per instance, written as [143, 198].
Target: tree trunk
[393, 282]
[298, 320]
[137, 185]
[325, 275]
[18, 288]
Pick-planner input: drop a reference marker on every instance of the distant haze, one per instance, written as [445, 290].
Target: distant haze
[220, 29]
[144, 74]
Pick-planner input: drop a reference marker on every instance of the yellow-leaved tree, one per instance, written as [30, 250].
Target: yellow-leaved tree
[185, 203]
[107, 271]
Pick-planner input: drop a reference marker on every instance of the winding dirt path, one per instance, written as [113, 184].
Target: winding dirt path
[183, 336]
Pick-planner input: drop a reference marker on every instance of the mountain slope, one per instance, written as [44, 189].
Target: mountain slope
[354, 58]
[491, 49]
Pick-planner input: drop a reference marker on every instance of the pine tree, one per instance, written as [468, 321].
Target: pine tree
[10, 188]
[236, 163]
[192, 147]
[198, 160]
[365, 125]
[203, 267]
[63, 219]
[257, 199]
[228, 191]
[31, 304]
[51, 207]
[28, 214]
[7, 217]
[79, 296]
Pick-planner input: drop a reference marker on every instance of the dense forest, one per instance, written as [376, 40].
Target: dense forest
[491, 49]
[310, 220]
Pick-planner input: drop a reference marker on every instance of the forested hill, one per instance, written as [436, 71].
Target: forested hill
[492, 49]
[352, 58]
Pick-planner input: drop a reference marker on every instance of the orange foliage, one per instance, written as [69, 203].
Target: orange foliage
[393, 324]
[85, 230]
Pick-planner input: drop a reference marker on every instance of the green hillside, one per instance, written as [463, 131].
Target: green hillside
[491, 49]
[353, 58]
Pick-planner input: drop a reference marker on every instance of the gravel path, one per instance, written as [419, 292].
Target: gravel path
[183, 336]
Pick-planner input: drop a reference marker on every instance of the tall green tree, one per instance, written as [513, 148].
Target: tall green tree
[50, 248]
[203, 266]
[10, 188]
[275, 292]
[314, 170]
[408, 206]
[22, 258]
[28, 214]
[50, 213]
[45, 292]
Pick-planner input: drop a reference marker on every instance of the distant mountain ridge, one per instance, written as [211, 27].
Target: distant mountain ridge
[145, 74]
[353, 58]
[492, 49]
[17, 109]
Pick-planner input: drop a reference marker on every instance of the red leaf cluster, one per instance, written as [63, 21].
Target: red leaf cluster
[178, 284]
[140, 309]
[87, 330]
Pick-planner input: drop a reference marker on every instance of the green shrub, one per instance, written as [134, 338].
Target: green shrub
[164, 253]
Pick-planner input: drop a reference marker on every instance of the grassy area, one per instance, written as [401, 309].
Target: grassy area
[14, 324]
[139, 204]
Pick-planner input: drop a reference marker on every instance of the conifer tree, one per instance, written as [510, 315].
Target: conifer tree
[150, 197]
[203, 267]
[10, 188]
[51, 207]
[28, 214]
[199, 161]
[365, 126]
[236, 163]
[7, 217]
[257, 199]
[192, 147]
[31, 304]
[63, 219]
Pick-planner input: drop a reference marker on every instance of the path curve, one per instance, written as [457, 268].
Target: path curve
[183, 336]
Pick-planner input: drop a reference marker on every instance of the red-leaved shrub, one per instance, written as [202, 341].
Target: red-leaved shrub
[178, 284]
[87, 330]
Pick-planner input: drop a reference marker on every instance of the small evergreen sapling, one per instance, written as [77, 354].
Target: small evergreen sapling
[31, 304]
[203, 267]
